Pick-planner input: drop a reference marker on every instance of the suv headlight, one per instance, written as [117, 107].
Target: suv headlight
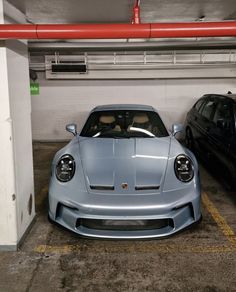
[65, 168]
[184, 168]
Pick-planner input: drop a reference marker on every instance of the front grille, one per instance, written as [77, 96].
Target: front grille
[60, 207]
[124, 225]
[190, 206]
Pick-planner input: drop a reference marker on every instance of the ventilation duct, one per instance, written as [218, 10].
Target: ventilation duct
[69, 67]
[65, 64]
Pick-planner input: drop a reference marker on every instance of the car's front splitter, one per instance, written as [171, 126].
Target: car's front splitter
[152, 226]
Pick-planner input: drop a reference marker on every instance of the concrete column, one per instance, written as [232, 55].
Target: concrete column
[16, 163]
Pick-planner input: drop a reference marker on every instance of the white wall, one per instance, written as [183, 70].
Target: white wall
[65, 101]
[20, 110]
[16, 173]
[8, 221]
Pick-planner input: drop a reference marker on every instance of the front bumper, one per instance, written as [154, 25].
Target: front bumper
[166, 218]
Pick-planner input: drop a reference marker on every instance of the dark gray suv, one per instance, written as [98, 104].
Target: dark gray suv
[211, 132]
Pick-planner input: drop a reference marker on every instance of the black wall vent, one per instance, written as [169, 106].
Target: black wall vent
[71, 66]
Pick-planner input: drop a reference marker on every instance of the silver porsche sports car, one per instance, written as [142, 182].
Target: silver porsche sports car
[124, 176]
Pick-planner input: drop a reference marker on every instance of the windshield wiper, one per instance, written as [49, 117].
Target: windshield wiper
[140, 130]
[104, 131]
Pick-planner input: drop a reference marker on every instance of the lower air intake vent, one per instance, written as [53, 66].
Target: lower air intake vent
[124, 225]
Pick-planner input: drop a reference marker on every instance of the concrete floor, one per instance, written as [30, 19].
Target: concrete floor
[202, 258]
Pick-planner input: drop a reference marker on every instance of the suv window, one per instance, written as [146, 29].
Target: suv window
[223, 112]
[198, 104]
[209, 109]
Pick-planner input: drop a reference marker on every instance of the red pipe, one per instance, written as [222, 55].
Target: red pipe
[93, 31]
[74, 31]
[136, 12]
[117, 31]
[193, 29]
[18, 31]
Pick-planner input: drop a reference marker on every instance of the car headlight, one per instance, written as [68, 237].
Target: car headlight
[184, 168]
[65, 168]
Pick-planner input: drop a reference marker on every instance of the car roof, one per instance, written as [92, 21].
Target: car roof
[123, 107]
[231, 96]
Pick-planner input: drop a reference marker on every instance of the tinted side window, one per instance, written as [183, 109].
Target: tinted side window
[199, 104]
[222, 112]
[209, 109]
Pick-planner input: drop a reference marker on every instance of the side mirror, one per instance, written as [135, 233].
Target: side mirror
[72, 128]
[176, 128]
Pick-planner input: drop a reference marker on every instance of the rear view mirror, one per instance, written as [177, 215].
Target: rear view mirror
[72, 128]
[176, 128]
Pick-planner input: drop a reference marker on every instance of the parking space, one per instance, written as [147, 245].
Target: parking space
[126, 83]
[202, 258]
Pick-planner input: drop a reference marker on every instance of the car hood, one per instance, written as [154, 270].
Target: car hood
[124, 165]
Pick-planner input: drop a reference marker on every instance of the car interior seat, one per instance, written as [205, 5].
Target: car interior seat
[141, 121]
[108, 121]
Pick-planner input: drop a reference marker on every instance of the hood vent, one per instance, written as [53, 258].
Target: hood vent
[112, 188]
[146, 188]
[102, 188]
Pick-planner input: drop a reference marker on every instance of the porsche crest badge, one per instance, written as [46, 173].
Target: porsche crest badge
[124, 186]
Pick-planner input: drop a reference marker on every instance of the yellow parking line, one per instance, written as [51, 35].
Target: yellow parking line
[153, 248]
[53, 249]
[157, 247]
[220, 221]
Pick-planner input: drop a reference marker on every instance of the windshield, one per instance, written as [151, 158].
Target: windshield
[124, 124]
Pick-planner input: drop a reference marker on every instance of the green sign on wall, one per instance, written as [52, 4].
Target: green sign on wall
[34, 88]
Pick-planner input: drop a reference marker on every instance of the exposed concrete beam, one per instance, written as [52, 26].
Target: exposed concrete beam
[12, 14]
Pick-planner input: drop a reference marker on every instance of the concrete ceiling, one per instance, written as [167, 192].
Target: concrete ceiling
[118, 11]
